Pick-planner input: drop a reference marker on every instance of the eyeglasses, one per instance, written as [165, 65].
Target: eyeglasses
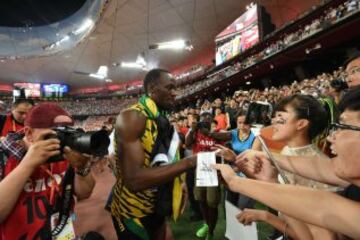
[351, 72]
[337, 126]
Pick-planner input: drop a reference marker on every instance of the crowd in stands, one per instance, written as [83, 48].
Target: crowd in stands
[92, 123]
[89, 107]
[304, 118]
[325, 84]
[96, 106]
[330, 17]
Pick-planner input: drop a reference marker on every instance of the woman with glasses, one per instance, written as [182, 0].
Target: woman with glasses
[298, 120]
[321, 208]
[352, 74]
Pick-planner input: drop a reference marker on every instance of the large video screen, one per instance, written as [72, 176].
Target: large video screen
[54, 90]
[31, 89]
[242, 34]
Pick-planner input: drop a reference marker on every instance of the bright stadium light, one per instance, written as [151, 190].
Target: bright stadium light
[87, 25]
[177, 44]
[101, 73]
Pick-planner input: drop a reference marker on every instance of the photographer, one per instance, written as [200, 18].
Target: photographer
[31, 189]
[209, 197]
[14, 121]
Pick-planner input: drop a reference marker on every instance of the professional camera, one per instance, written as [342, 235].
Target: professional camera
[338, 84]
[94, 143]
[258, 113]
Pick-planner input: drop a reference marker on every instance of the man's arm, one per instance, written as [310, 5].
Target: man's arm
[220, 136]
[256, 145]
[83, 185]
[11, 187]
[130, 126]
[321, 208]
[247, 216]
[13, 184]
[318, 168]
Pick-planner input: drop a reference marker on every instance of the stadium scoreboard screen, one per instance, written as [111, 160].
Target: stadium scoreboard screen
[31, 90]
[242, 34]
[36, 90]
[54, 90]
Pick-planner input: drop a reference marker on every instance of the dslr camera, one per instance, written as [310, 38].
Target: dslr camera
[339, 84]
[94, 143]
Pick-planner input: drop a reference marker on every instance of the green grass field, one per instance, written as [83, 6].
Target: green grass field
[185, 229]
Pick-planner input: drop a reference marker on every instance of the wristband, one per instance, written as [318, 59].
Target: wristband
[84, 171]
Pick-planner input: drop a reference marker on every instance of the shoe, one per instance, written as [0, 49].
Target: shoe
[209, 237]
[203, 231]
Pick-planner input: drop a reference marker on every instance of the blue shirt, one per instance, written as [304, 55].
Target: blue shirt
[240, 146]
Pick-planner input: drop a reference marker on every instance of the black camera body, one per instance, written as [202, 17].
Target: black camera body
[94, 143]
[339, 84]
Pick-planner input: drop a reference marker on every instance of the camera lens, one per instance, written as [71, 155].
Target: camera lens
[94, 143]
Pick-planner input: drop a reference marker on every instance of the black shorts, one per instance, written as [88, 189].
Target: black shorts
[130, 229]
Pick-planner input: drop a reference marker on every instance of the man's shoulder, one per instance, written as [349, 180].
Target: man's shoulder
[129, 115]
[130, 123]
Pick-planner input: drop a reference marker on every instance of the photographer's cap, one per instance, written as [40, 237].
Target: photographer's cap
[47, 115]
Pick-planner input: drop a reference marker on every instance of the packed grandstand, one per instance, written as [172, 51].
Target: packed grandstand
[246, 87]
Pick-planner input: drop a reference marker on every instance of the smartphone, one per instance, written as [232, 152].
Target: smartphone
[273, 160]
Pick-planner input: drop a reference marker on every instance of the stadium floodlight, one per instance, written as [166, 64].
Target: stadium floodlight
[176, 44]
[101, 73]
[87, 25]
[98, 76]
[103, 70]
[131, 65]
[140, 63]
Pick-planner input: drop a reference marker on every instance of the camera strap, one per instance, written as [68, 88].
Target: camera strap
[65, 202]
[62, 207]
[54, 185]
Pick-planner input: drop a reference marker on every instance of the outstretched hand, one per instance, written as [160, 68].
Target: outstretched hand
[227, 173]
[221, 151]
[255, 164]
[248, 216]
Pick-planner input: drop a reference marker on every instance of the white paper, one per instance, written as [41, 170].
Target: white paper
[234, 229]
[174, 145]
[205, 175]
[162, 159]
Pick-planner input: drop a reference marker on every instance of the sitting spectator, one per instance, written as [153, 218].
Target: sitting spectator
[222, 120]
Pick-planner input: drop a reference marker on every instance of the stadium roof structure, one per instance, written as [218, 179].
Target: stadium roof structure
[119, 31]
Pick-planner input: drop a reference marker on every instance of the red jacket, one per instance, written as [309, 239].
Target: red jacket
[33, 207]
